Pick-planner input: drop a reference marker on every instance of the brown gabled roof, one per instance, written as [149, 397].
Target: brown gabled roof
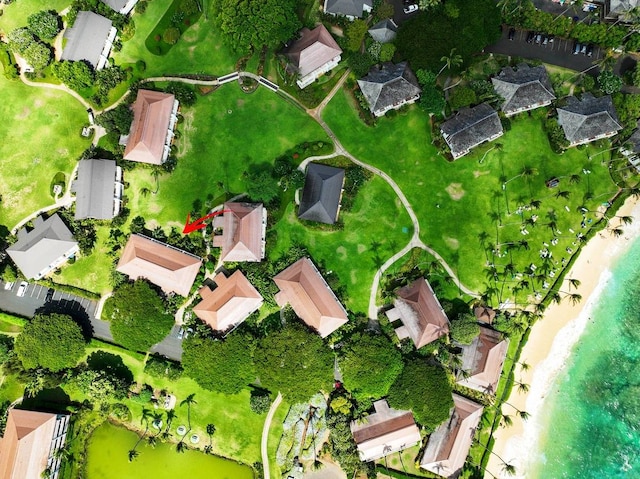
[243, 232]
[230, 303]
[387, 430]
[151, 119]
[482, 361]
[448, 447]
[312, 50]
[302, 286]
[484, 313]
[170, 268]
[421, 314]
[27, 443]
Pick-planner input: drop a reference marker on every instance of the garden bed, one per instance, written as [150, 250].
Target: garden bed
[180, 15]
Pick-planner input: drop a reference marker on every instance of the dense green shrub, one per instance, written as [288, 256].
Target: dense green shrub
[171, 35]
[76, 75]
[45, 24]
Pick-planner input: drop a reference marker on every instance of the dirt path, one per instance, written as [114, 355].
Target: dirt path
[265, 436]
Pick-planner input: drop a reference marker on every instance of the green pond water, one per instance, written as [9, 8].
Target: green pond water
[108, 459]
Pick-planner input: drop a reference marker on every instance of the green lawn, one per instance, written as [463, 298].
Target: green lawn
[201, 48]
[373, 232]
[92, 272]
[275, 433]
[221, 136]
[458, 201]
[15, 15]
[40, 137]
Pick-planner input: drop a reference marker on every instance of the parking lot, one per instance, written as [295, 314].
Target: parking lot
[559, 52]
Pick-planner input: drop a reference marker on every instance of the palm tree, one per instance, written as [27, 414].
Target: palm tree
[563, 194]
[506, 467]
[453, 60]
[156, 171]
[181, 446]
[133, 454]
[522, 387]
[573, 282]
[189, 401]
[211, 429]
[144, 191]
[498, 146]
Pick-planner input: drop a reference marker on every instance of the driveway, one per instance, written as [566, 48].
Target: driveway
[559, 53]
[171, 346]
[398, 12]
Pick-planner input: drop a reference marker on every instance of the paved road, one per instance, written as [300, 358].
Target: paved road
[559, 53]
[398, 13]
[171, 346]
[81, 309]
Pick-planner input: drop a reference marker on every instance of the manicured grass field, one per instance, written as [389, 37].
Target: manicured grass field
[15, 14]
[457, 202]
[92, 272]
[221, 136]
[201, 48]
[107, 458]
[376, 227]
[40, 137]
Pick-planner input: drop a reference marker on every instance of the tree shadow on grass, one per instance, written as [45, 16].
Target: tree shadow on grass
[111, 364]
[51, 400]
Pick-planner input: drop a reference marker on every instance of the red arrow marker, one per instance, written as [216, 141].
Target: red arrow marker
[199, 223]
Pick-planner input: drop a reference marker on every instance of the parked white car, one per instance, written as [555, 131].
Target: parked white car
[410, 8]
[8, 286]
[22, 289]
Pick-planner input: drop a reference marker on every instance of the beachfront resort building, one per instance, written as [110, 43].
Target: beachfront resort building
[448, 446]
[523, 89]
[229, 304]
[240, 232]
[323, 186]
[43, 249]
[351, 9]
[471, 127]
[31, 443]
[89, 39]
[482, 361]
[303, 287]
[422, 317]
[312, 55]
[170, 268]
[384, 432]
[121, 6]
[588, 119]
[98, 189]
[389, 87]
[154, 118]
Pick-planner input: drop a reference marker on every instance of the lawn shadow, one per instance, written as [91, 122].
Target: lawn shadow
[71, 308]
[111, 364]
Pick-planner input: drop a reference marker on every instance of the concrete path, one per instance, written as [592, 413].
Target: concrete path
[265, 436]
[51, 86]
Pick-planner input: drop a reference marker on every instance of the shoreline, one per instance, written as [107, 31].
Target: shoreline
[551, 341]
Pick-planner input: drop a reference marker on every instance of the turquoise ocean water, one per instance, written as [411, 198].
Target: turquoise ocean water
[591, 416]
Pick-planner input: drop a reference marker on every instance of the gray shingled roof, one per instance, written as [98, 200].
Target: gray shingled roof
[384, 31]
[321, 194]
[470, 127]
[588, 118]
[389, 86]
[634, 141]
[94, 189]
[116, 5]
[45, 243]
[86, 38]
[622, 6]
[524, 88]
[353, 8]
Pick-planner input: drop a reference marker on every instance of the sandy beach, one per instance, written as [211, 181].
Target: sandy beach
[552, 339]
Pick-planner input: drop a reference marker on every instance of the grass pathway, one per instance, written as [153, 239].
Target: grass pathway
[265, 435]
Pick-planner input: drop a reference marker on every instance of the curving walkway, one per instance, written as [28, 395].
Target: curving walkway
[265, 436]
[51, 86]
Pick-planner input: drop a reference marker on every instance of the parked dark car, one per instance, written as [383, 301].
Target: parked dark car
[590, 50]
[530, 37]
[512, 33]
[49, 296]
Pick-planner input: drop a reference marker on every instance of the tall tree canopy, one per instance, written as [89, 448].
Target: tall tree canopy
[253, 23]
[369, 365]
[225, 366]
[138, 316]
[44, 24]
[425, 389]
[53, 342]
[294, 361]
[432, 34]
